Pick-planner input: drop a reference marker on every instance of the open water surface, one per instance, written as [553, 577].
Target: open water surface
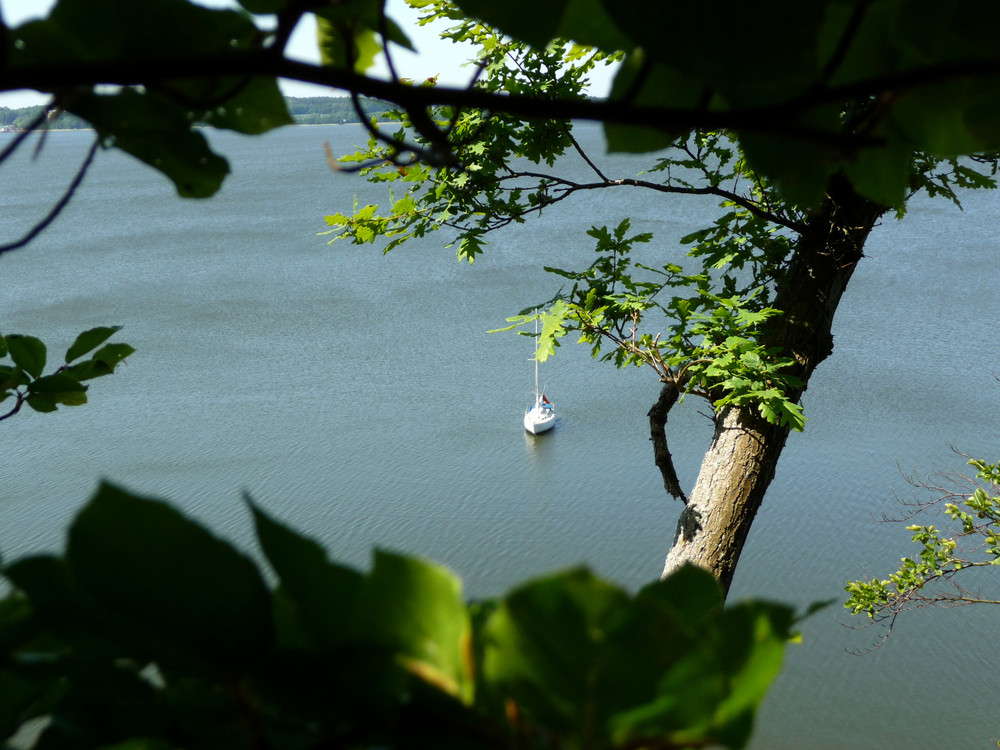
[361, 399]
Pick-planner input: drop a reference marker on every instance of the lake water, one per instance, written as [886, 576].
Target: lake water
[361, 399]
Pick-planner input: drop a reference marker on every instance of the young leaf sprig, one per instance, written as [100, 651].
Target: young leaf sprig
[928, 577]
[24, 381]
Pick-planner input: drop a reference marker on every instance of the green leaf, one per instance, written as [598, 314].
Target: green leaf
[883, 173]
[415, 609]
[28, 353]
[61, 387]
[585, 21]
[543, 650]
[599, 669]
[102, 362]
[750, 649]
[90, 340]
[658, 678]
[158, 132]
[322, 592]
[42, 402]
[351, 46]
[553, 328]
[253, 107]
[783, 412]
[12, 377]
[88, 369]
[469, 247]
[168, 576]
[112, 355]
[690, 591]
[649, 83]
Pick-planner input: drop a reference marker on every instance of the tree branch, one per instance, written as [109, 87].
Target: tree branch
[658, 435]
[59, 206]
[773, 119]
[571, 187]
[20, 137]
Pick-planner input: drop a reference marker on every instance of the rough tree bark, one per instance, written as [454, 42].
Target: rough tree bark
[740, 464]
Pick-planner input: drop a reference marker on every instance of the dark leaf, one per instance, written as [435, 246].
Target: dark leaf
[90, 340]
[588, 22]
[250, 106]
[102, 362]
[79, 31]
[158, 132]
[12, 377]
[647, 82]
[61, 388]
[103, 702]
[264, 6]
[322, 592]
[883, 173]
[168, 575]
[27, 352]
[22, 698]
[88, 369]
[784, 66]
[42, 402]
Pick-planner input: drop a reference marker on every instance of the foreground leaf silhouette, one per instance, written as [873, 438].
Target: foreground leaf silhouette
[151, 632]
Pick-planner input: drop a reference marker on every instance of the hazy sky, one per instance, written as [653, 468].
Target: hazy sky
[438, 57]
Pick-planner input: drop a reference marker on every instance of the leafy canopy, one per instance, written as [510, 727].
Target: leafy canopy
[702, 331]
[784, 75]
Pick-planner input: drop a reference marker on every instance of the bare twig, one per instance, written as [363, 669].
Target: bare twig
[60, 204]
[16, 142]
[17, 406]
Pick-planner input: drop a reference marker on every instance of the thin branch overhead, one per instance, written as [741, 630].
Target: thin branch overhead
[58, 207]
[780, 119]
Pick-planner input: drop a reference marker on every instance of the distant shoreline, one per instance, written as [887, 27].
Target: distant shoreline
[5, 131]
[314, 110]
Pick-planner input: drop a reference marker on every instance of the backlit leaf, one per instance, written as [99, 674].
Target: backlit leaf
[543, 649]
[415, 609]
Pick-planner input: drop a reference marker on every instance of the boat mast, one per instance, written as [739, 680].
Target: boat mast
[536, 360]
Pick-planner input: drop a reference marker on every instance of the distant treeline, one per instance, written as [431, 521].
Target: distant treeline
[331, 110]
[313, 110]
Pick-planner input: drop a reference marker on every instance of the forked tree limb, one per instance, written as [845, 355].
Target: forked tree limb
[658, 435]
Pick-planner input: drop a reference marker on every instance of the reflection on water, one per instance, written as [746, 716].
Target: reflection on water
[359, 398]
[536, 446]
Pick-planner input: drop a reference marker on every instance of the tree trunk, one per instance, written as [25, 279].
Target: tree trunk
[740, 464]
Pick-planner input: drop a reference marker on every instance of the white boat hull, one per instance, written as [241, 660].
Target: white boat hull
[539, 419]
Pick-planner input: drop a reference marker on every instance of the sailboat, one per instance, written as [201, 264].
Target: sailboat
[541, 415]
